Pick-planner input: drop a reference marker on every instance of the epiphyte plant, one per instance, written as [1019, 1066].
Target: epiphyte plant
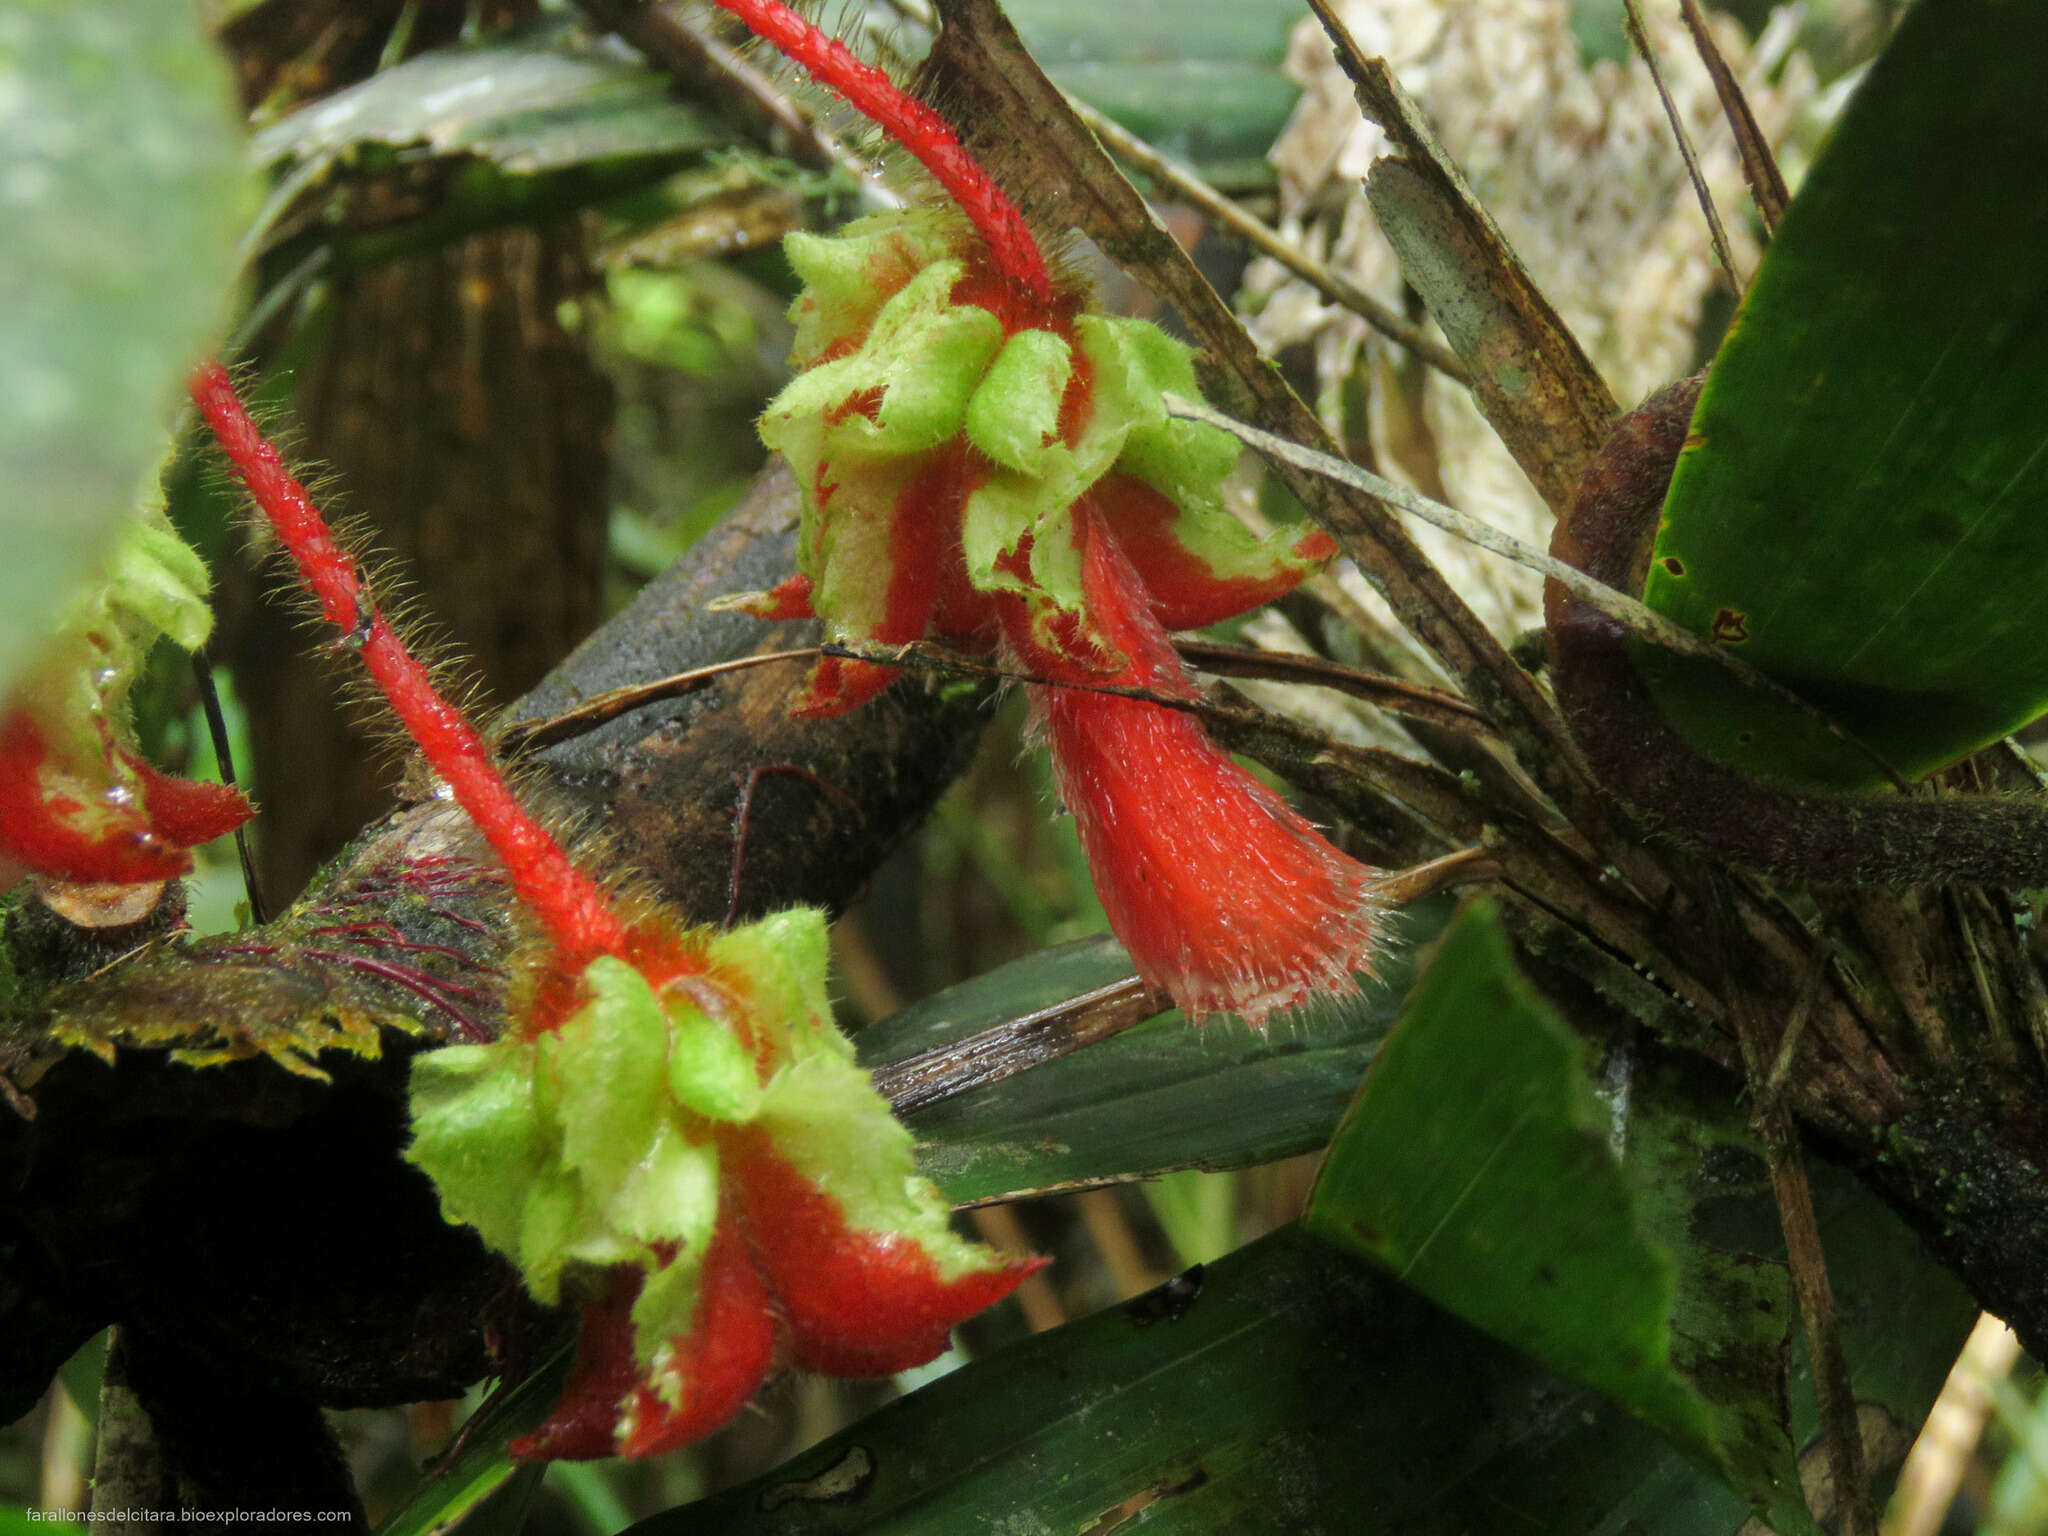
[988, 462]
[672, 1134]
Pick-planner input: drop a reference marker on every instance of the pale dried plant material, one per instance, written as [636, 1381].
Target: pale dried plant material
[1576, 164]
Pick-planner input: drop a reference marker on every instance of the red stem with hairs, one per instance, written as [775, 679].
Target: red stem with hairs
[568, 903]
[1012, 247]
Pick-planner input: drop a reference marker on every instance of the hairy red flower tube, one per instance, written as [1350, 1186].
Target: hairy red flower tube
[1172, 826]
[987, 463]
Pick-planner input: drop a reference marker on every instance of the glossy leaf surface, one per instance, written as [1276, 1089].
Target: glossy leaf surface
[1859, 511]
[1290, 1388]
[1481, 1166]
[1148, 67]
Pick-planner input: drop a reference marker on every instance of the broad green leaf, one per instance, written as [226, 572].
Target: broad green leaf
[1161, 1096]
[1288, 1388]
[543, 99]
[124, 189]
[1482, 1168]
[1859, 512]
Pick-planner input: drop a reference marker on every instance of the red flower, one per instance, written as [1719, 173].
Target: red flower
[672, 1132]
[103, 816]
[1223, 895]
[785, 1278]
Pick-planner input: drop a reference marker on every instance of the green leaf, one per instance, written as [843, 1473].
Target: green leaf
[1158, 1097]
[124, 190]
[544, 99]
[1228, 1401]
[1289, 1388]
[1482, 1168]
[445, 1496]
[1206, 83]
[1861, 501]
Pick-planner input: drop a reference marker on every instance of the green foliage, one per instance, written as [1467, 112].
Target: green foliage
[1206, 83]
[1480, 1166]
[125, 189]
[1158, 1097]
[1529, 1288]
[548, 98]
[1858, 510]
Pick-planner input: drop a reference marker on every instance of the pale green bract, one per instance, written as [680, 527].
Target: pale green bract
[597, 1144]
[154, 586]
[894, 368]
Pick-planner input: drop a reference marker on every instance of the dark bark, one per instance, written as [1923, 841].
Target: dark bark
[182, 1439]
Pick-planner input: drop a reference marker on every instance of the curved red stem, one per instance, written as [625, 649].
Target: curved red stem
[1012, 247]
[567, 902]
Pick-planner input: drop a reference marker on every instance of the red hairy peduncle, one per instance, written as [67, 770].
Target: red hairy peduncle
[1012, 247]
[568, 903]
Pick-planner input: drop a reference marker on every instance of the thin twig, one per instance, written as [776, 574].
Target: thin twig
[1646, 623]
[1414, 700]
[1759, 165]
[224, 755]
[1795, 1026]
[1005, 1049]
[601, 708]
[1833, 1392]
[1637, 35]
[1262, 237]
[1411, 699]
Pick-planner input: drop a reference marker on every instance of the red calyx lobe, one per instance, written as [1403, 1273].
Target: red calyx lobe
[1223, 895]
[719, 1364]
[787, 1266]
[856, 1303]
[928, 588]
[1185, 593]
[581, 1426]
[146, 835]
